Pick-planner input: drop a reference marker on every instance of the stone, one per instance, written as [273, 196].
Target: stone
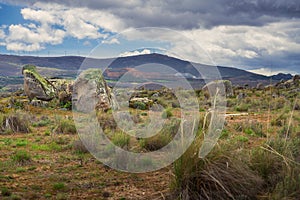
[296, 78]
[36, 86]
[260, 86]
[90, 92]
[241, 96]
[212, 87]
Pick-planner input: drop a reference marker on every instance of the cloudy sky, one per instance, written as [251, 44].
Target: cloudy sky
[258, 35]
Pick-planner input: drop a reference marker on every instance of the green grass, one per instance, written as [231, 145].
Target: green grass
[242, 138]
[167, 113]
[21, 142]
[5, 192]
[42, 123]
[59, 186]
[21, 157]
[65, 126]
[121, 139]
[46, 147]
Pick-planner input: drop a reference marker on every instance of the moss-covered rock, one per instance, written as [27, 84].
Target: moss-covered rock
[36, 86]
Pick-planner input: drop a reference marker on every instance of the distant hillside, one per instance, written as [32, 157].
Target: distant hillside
[67, 66]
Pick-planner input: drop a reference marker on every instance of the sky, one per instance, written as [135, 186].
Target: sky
[261, 36]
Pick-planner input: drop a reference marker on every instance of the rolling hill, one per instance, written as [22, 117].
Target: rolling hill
[68, 66]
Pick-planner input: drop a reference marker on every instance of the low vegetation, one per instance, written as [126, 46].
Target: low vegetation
[256, 157]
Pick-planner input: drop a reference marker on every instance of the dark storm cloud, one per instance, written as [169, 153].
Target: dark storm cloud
[189, 14]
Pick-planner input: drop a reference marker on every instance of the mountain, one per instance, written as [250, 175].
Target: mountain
[68, 66]
[282, 76]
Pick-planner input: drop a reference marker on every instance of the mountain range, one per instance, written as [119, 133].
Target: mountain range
[68, 67]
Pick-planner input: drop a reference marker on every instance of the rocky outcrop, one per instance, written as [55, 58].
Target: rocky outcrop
[40, 88]
[91, 92]
[260, 86]
[36, 86]
[289, 84]
[226, 84]
[90, 87]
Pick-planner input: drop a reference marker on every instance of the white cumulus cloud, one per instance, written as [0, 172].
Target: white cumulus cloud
[111, 41]
[135, 53]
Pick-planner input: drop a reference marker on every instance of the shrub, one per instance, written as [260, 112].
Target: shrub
[140, 105]
[15, 122]
[121, 139]
[169, 130]
[43, 122]
[156, 142]
[167, 113]
[106, 121]
[242, 107]
[65, 126]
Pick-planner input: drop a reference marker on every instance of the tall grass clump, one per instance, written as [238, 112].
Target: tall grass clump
[221, 175]
[64, 126]
[163, 138]
[278, 163]
[121, 139]
[21, 157]
[15, 122]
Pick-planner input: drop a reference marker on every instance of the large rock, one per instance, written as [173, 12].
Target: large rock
[40, 88]
[90, 92]
[36, 86]
[64, 90]
[260, 86]
[222, 85]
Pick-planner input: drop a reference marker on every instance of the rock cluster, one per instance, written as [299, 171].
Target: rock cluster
[223, 86]
[295, 82]
[89, 89]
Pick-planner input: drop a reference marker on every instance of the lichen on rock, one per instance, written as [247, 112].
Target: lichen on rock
[91, 92]
[36, 86]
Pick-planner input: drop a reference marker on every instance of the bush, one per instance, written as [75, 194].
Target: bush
[156, 142]
[65, 126]
[106, 121]
[252, 128]
[17, 122]
[121, 139]
[140, 105]
[242, 107]
[167, 113]
[164, 137]
[44, 121]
